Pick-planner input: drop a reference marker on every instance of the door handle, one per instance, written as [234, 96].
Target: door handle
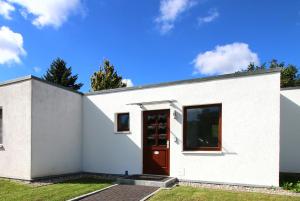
[168, 144]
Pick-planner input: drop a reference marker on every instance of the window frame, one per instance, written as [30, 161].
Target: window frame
[219, 147]
[119, 130]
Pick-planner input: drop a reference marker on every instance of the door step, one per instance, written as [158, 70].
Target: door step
[148, 180]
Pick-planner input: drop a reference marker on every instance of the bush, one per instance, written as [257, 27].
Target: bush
[297, 187]
[292, 186]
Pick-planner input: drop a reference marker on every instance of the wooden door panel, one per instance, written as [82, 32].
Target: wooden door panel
[156, 137]
[156, 163]
[160, 158]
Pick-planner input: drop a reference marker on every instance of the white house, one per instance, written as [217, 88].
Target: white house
[237, 128]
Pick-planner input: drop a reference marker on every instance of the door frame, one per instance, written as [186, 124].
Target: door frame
[168, 138]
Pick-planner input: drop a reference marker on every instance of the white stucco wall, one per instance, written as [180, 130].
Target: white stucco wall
[15, 100]
[56, 130]
[250, 130]
[290, 131]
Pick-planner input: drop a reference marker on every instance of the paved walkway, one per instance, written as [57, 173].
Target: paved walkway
[122, 193]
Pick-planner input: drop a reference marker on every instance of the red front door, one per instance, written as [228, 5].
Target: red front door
[156, 132]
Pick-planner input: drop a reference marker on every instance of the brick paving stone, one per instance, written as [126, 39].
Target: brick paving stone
[122, 193]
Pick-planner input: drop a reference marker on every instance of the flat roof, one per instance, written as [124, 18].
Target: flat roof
[32, 77]
[13, 81]
[189, 81]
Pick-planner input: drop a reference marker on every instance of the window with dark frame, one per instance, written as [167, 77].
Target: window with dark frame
[1, 126]
[202, 128]
[122, 122]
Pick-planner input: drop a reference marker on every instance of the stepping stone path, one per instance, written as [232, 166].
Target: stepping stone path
[122, 193]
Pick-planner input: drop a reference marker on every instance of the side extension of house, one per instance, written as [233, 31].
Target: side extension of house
[290, 130]
[41, 131]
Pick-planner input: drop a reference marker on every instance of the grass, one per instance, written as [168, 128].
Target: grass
[183, 193]
[12, 191]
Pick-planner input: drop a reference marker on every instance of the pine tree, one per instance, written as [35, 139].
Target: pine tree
[106, 78]
[59, 73]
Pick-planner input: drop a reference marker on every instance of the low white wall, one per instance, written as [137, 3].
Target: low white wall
[290, 131]
[250, 130]
[56, 130]
[15, 100]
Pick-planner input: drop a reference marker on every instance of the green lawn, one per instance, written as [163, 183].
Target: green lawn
[10, 190]
[199, 194]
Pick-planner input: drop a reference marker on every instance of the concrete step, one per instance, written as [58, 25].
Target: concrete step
[148, 180]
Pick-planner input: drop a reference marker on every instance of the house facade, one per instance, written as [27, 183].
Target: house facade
[237, 128]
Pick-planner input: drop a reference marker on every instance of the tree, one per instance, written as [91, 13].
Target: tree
[274, 64]
[59, 73]
[253, 67]
[289, 77]
[289, 73]
[106, 78]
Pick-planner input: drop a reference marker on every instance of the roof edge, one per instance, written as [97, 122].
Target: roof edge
[188, 81]
[16, 80]
[56, 85]
[32, 77]
[289, 88]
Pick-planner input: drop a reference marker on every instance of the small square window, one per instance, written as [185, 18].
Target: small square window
[122, 122]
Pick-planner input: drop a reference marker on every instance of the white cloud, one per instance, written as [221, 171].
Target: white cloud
[6, 9]
[11, 46]
[225, 59]
[37, 69]
[169, 12]
[48, 12]
[212, 15]
[128, 82]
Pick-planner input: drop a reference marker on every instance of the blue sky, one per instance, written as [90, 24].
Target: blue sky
[147, 41]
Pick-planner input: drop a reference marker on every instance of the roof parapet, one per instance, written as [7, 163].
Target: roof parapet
[204, 79]
[31, 77]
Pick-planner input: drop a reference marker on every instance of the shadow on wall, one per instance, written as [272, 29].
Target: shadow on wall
[289, 135]
[105, 151]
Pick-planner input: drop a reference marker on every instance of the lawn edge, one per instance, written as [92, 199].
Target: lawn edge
[279, 191]
[150, 195]
[91, 193]
[287, 194]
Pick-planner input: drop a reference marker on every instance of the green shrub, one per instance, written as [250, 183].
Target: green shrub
[297, 187]
[292, 186]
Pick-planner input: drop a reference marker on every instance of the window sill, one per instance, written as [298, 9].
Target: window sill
[204, 152]
[123, 132]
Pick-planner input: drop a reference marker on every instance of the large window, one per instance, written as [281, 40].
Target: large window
[202, 127]
[1, 127]
[122, 122]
